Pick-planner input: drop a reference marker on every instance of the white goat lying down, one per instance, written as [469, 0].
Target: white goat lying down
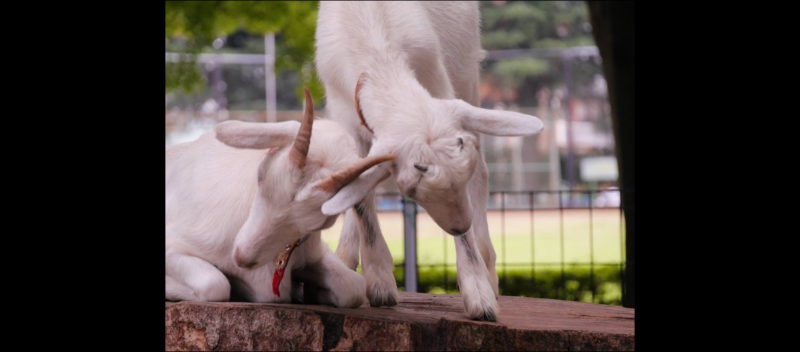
[231, 211]
[403, 78]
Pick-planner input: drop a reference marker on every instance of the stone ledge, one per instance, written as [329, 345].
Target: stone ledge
[420, 322]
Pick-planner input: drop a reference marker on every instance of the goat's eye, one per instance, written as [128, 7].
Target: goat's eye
[461, 143]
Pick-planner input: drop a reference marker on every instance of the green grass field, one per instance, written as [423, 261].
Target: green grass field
[600, 243]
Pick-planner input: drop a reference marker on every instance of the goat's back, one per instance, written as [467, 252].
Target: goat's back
[425, 32]
[209, 187]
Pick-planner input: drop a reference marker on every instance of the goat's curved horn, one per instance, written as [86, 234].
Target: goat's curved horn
[299, 149]
[341, 178]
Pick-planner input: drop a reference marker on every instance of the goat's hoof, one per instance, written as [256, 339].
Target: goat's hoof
[380, 298]
[480, 301]
[382, 295]
[381, 288]
[381, 301]
[480, 304]
[487, 315]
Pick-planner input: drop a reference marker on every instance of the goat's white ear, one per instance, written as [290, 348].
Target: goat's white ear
[254, 135]
[355, 191]
[495, 122]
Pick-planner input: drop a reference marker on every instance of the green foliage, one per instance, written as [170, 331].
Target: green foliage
[503, 39]
[308, 75]
[539, 283]
[532, 24]
[514, 71]
[192, 26]
[514, 11]
[183, 75]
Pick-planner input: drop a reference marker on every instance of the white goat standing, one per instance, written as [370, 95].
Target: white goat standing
[403, 78]
[230, 211]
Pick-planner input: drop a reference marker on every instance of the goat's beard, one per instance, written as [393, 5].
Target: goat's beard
[276, 281]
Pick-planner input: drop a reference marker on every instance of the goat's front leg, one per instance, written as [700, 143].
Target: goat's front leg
[349, 239]
[480, 302]
[475, 256]
[376, 260]
[478, 189]
[190, 278]
[329, 281]
[347, 249]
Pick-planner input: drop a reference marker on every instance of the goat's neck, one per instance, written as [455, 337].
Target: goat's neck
[392, 89]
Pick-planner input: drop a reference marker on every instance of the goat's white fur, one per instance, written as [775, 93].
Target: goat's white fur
[216, 207]
[419, 62]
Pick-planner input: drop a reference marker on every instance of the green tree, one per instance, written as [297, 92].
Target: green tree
[532, 24]
[192, 26]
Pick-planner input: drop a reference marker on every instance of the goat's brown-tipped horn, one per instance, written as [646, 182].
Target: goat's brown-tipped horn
[341, 178]
[300, 147]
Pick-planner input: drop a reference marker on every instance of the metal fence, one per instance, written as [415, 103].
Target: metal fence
[581, 277]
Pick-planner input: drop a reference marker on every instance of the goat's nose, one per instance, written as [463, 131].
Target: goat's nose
[240, 262]
[422, 168]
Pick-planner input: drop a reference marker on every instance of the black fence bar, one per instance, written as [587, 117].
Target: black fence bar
[410, 273]
[591, 248]
[503, 237]
[562, 289]
[533, 247]
[444, 249]
[622, 250]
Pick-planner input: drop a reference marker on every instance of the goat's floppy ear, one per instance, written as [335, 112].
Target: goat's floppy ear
[495, 122]
[354, 191]
[257, 135]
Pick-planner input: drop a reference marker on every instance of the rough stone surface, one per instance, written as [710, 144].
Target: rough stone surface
[374, 335]
[223, 326]
[420, 322]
